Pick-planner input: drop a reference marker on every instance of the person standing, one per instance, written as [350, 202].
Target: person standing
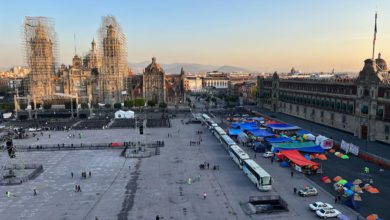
[204, 195]
[292, 174]
[71, 173]
[35, 192]
[157, 217]
[295, 190]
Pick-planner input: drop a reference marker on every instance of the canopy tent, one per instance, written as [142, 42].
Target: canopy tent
[314, 149]
[307, 146]
[297, 158]
[302, 132]
[248, 127]
[282, 127]
[258, 119]
[124, 114]
[324, 142]
[260, 133]
[242, 137]
[116, 144]
[234, 131]
[278, 140]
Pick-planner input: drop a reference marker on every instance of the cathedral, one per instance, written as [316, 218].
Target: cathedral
[99, 77]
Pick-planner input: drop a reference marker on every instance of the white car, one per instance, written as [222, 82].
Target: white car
[320, 205]
[268, 154]
[328, 213]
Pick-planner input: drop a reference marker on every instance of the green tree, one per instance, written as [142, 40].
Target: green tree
[139, 102]
[151, 103]
[129, 103]
[108, 105]
[117, 105]
[163, 105]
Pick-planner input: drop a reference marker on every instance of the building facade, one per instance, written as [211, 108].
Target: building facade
[357, 105]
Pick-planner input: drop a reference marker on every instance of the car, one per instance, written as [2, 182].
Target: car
[308, 191]
[268, 154]
[320, 205]
[328, 213]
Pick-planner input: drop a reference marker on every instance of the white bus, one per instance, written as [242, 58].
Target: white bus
[218, 132]
[238, 155]
[205, 117]
[257, 175]
[227, 141]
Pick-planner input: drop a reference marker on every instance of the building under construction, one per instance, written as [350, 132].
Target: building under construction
[113, 49]
[40, 47]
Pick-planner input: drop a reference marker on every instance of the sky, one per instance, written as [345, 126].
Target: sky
[258, 35]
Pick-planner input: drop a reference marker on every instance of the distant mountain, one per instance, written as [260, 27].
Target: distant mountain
[174, 68]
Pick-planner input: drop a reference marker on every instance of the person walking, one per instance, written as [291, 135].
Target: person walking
[89, 174]
[71, 173]
[272, 160]
[335, 199]
[157, 217]
[255, 155]
[208, 166]
[292, 174]
[204, 195]
[295, 190]
[35, 192]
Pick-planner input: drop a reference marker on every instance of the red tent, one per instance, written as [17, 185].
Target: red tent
[116, 144]
[297, 158]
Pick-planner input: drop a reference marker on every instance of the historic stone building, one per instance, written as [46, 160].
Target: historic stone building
[40, 58]
[358, 105]
[154, 83]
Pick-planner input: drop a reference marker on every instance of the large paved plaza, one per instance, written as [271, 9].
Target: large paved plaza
[121, 188]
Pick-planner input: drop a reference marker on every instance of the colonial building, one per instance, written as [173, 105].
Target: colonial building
[154, 83]
[358, 105]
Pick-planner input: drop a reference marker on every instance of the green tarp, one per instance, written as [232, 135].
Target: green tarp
[294, 145]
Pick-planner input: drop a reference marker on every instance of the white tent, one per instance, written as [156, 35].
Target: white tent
[324, 142]
[124, 114]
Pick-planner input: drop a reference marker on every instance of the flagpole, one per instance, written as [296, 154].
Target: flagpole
[373, 42]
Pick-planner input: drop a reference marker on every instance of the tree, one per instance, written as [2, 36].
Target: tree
[162, 105]
[139, 102]
[108, 105]
[117, 105]
[151, 103]
[129, 103]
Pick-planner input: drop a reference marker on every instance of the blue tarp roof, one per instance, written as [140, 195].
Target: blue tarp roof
[258, 118]
[314, 149]
[234, 131]
[301, 132]
[261, 133]
[278, 140]
[282, 127]
[248, 127]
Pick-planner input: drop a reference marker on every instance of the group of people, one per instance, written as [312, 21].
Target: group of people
[77, 188]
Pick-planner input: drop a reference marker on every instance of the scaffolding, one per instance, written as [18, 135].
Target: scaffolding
[40, 49]
[113, 52]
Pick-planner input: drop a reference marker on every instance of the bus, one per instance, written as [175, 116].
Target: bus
[238, 155]
[218, 132]
[257, 175]
[227, 141]
[205, 117]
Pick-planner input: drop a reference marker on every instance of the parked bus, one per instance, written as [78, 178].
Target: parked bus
[238, 155]
[227, 141]
[257, 175]
[218, 132]
[205, 117]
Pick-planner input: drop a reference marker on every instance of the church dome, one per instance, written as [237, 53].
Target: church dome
[153, 67]
[381, 63]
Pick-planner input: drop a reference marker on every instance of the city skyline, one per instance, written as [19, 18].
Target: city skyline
[259, 36]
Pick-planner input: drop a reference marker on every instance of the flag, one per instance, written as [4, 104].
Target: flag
[375, 30]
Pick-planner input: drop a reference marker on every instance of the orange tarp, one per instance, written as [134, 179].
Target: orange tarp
[337, 178]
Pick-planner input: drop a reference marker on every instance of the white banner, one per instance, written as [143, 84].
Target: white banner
[344, 146]
[354, 149]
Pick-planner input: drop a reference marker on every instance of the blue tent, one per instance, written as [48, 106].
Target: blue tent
[248, 127]
[284, 164]
[314, 149]
[277, 140]
[234, 131]
[261, 133]
[302, 132]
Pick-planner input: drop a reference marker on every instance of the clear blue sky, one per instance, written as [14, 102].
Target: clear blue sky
[258, 35]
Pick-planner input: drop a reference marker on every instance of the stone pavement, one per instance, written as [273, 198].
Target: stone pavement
[152, 186]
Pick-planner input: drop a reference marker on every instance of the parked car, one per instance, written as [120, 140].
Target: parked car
[328, 213]
[320, 205]
[308, 191]
[268, 154]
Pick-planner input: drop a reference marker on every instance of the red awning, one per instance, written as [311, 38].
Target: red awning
[116, 144]
[297, 158]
